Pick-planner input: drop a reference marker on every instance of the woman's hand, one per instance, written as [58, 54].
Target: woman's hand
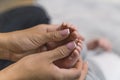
[18, 44]
[29, 40]
[40, 66]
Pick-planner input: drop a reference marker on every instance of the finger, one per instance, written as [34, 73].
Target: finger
[72, 73]
[61, 52]
[84, 71]
[55, 35]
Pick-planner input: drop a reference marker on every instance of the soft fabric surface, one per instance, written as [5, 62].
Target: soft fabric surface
[109, 63]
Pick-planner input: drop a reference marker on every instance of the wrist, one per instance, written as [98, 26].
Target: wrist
[4, 53]
[3, 40]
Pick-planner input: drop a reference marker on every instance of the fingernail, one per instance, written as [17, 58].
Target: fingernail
[71, 45]
[65, 32]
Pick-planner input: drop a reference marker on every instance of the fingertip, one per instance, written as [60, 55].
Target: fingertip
[65, 32]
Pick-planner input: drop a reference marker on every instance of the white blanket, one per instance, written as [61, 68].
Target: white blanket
[109, 63]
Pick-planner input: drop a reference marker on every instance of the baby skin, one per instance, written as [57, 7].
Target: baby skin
[99, 43]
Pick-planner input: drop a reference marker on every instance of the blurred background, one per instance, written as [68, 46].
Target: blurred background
[94, 18]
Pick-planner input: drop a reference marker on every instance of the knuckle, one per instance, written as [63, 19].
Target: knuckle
[54, 36]
[62, 51]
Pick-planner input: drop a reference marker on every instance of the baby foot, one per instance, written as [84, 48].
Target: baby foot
[73, 36]
[71, 60]
[102, 43]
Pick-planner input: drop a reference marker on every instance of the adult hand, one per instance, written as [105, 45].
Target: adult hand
[42, 38]
[18, 44]
[41, 67]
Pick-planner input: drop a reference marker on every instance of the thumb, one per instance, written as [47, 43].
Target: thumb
[56, 35]
[61, 52]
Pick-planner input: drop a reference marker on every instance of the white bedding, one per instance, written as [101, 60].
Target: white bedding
[109, 63]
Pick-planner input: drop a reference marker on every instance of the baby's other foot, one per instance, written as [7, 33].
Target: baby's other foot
[102, 43]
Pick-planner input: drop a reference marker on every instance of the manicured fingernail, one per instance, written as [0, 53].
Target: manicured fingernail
[71, 45]
[65, 32]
